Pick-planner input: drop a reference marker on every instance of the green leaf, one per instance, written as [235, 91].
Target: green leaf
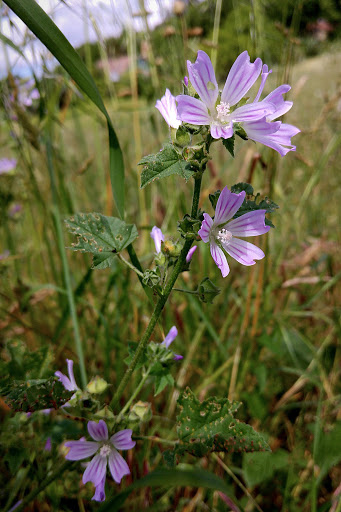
[34, 395]
[102, 236]
[229, 145]
[132, 347]
[162, 381]
[210, 426]
[50, 35]
[164, 477]
[163, 164]
[259, 467]
[328, 453]
[207, 291]
[240, 187]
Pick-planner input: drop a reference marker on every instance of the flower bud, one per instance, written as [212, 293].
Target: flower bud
[141, 411]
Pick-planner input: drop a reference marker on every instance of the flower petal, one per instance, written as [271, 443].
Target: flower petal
[227, 205]
[253, 111]
[80, 449]
[202, 77]
[276, 98]
[249, 224]
[205, 229]
[264, 76]
[122, 440]
[99, 491]
[177, 357]
[190, 253]
[158, 237]
[221, 130]
[191, 110]
[95, 470]
[71, 374]
[220, 259]
[276, 139]
[167, 108]
[244, 252]
[241, 78]
[118, 466]
[64, 380]
[170, 336]
[98, 431]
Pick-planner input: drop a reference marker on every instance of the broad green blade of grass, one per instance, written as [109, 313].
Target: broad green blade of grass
[49, 34]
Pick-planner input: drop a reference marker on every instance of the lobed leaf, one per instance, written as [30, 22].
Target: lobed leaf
[210, 426]
[34, 395]
[163, 164]
[100, 235]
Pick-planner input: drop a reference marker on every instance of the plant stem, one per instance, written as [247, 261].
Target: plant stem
[154, 439]
[130, 265]
[56, 474]
[134, 395]
[162, 300]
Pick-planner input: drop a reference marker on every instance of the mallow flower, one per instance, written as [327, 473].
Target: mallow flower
[169, 340]
[158, 237]
[7, 165]
[222, 234]
[217, 110]
[167, 108]
[69, 382]
[106, 451]
[221, 111]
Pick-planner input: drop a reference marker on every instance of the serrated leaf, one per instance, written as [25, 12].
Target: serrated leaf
[100, 235]
[162, 381]
[229, 145]
[240, 187]
[163, 164]
[210, 426]
[34, 395]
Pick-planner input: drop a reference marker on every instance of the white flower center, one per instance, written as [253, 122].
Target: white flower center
[223, 111]
[224, 236]
[105, 450]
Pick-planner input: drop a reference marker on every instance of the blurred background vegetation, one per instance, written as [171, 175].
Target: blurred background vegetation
[271, 338]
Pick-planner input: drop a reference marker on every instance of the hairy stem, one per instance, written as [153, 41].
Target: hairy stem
[161, 302]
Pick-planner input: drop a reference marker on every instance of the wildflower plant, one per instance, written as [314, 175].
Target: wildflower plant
[118, 420]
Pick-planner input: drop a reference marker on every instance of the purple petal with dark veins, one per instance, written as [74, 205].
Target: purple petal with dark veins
[98, 431]
[122, 440]
[277, 139]
[99, 491]
[118, 466]
[264, 76]
[95, 470]
[205, 229]
[220, 259]
[202, 77]
[276, 98]
[249, 224]
[71, 374]
[64, 380]
[192, 111]
[253, 111]
[227, 205]
[244, 252]
[158, 237]
[221, 130]
[167, 108]
[190, 253]
[80, 449]
[241, 78]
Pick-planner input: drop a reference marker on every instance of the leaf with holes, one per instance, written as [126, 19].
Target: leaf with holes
[163, 164]
[210, 426]
[102, 236]
[34, 395]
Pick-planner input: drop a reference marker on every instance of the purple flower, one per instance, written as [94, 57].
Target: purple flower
[7, 165]
[167, 108]
[169, 340]
[14, 209]
[106, 453]
[190, 253]
[158, 237]
[276, 135]
[48, 445]
[221, 235]
[69, 383]
[186, 81]
[218, 113]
